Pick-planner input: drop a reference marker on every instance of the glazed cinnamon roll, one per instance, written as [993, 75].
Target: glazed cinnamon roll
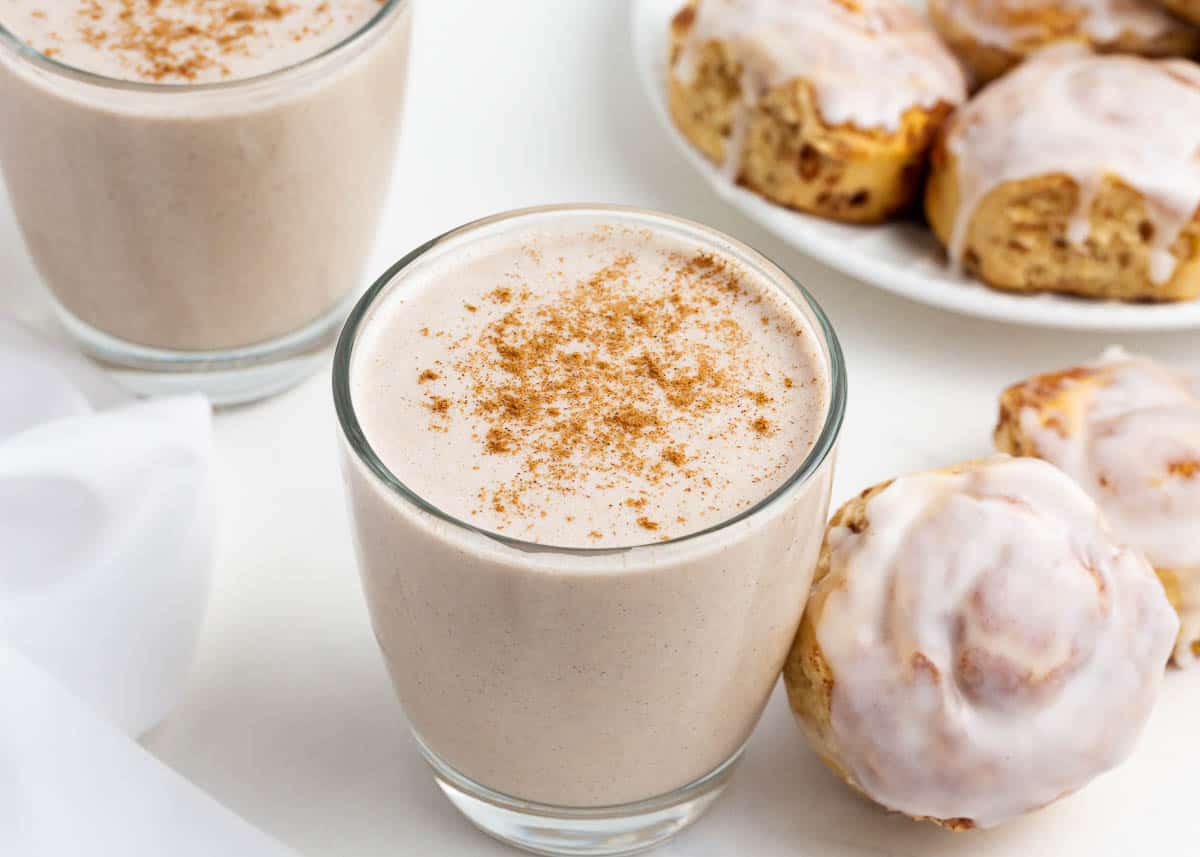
[992, 36]
[826, 106]
[976, 645]
[1127, 430]
[1076, 173]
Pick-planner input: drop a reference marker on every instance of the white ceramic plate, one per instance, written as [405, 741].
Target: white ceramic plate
[903, 258]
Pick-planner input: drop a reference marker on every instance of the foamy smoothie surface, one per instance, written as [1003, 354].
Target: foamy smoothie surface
[597, 389]
[184, 41]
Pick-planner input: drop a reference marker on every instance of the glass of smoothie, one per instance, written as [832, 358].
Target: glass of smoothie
[199, 183]
[588, 452]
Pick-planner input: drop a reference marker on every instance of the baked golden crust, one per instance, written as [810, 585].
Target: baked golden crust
[807, 675]
[1048, 395]
[1034, 26]
[1059, 399]
[985, 61]
[790, 155]
[1016, 238]
[1187, 9]
[1173, 586]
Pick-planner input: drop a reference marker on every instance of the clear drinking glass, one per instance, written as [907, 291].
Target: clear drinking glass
[212, 236]
[475, 626]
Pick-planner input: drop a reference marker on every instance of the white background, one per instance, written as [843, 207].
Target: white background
[289, 719]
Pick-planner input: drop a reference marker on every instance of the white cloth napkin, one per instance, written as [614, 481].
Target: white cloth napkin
[72, 785]
[107, 536]
[107, 530]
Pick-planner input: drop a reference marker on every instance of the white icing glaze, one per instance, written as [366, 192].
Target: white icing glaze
[1006, 23]
[1070, 112]
[868, 61]
[991, 648]
[1130, 435]
[739, 130]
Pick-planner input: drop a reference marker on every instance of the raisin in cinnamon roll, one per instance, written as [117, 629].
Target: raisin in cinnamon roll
[976, 645]
[826, 106]
[1076, 173]
[992, 36]
[1127, 429]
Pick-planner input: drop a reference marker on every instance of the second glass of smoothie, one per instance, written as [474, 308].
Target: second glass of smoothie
[588, 452]
[199, 184]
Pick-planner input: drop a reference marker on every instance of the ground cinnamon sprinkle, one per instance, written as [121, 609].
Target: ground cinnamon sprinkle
[427, 375]
[602, 380]
[180, 39]
[499, 441]
[1184, 469]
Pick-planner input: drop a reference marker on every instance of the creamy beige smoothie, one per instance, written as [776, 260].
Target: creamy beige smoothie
[200, 176]
[589, 468]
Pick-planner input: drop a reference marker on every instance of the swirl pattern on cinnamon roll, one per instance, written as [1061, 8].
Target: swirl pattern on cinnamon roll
[1076, 173]
[827, 106]
[1127, 429]
[992, 36]
[976, 645]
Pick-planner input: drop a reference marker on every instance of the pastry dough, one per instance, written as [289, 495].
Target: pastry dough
[825, 106]
[992, 36]
[1187, 9]
[1076, 173]
[976, 644]
[1127, 429]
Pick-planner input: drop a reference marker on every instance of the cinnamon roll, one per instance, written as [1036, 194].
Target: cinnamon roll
[992, 36]
[826, 106]
[976, 645]
[1127, 429]
[1076, 173]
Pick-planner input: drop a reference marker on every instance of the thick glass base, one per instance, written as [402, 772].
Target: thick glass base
[228, 377]
[591, 832]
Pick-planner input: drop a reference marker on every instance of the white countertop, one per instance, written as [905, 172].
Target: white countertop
[290, 719]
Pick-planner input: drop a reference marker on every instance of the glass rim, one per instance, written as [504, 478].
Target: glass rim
[357, 440]
[27, 52]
